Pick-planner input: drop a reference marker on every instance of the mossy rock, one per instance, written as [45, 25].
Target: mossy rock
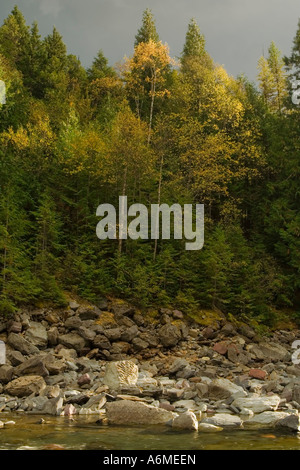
[207, 317]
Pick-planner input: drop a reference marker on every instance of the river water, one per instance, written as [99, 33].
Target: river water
[83, 433]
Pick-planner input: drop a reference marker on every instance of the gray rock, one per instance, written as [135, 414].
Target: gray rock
[32, 366]
[73, 323]
[21, 344]
[15, 357]
[291, 423]
[169, 335]
[126, 412]
[100, 341]
[89, 313]
[130, 333]
[269, 351]
[224, 388]
[139, 344]
[36, 334]
[224, 420]
[86, 333]
[267, 418]
[73, 341]
[258, 404]
[53, 335]
[186, 421]
[6, 373]
[207, 427]
[53, 406]
[113, 334]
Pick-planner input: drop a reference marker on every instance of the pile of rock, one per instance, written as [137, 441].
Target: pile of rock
[127, 368]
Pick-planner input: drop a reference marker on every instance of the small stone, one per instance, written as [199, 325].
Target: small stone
[221, 348]
[186, 421]
[84, 379]
[258, 374]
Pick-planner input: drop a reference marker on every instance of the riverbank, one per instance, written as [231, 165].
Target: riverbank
[118, 367]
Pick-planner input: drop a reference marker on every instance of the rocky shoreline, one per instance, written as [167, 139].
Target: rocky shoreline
[127, 368]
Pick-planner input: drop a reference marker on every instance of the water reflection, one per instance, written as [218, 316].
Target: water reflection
[83, 433]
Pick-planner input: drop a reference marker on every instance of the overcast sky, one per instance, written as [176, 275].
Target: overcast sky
[237, 32]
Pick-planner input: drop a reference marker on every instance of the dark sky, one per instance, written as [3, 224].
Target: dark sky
[237, 32]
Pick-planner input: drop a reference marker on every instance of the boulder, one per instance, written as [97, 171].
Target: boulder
[25, 386]
[169, 335]
[6, 373]
[130, 333]
[186, 421]
[53, 406]
[113, 334]
[15, 357]
[36, 334]
[269, 351]
[223, 420]
[258, 404]
[120, 373]
[223, 388]
[32, 366]
[72, 340]
[125, 412]
[290, 423]
[207, 427]
[18, 342]
[267, 418]
[101, 341]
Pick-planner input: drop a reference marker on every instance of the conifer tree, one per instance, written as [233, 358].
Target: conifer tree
[148, 31]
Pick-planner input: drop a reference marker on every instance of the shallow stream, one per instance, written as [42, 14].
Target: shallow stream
[83, 433]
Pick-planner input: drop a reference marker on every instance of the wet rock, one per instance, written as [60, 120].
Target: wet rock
[267, 418]
[291, 423]
[129, 412]
[25, 386]
[69, 410]
[96, 402]
[207, 427]
[224, 420]
[187, 421]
